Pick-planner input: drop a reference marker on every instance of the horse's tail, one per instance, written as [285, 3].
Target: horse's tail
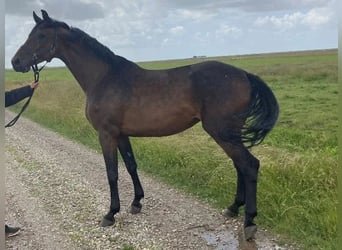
[262, 112]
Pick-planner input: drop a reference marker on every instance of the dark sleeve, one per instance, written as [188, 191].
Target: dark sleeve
[16, 95]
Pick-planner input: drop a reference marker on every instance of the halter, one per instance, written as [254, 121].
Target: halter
[37, 70]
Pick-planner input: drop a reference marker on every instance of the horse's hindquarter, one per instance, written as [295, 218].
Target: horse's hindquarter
[162, 103]
[222, 89]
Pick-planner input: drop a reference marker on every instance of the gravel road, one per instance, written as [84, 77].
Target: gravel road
[57, 192]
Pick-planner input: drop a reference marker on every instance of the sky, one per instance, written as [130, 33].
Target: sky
[148, 30]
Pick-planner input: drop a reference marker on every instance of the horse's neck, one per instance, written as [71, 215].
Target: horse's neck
[86, 68]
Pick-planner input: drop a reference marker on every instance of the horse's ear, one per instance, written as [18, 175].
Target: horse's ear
[36, 18]
[45, 15]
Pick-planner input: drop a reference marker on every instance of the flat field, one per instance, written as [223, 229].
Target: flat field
[297, 185]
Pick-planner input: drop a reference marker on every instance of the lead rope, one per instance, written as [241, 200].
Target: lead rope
[36, 79]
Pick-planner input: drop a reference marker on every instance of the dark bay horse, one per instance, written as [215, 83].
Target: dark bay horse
[237, 109]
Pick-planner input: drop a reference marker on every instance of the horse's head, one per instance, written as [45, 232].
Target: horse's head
[40, 45]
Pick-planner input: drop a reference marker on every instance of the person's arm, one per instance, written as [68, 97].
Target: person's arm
[16, 95]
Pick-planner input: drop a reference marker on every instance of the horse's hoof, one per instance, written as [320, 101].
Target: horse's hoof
[106, 222]
[228, 213]
[250, 232]
[135, 209]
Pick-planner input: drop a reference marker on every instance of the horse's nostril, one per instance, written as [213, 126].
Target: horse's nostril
[16, 61]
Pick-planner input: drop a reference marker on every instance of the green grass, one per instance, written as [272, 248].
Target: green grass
[297, 188]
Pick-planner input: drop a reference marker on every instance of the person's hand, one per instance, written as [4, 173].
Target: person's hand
[34, 85]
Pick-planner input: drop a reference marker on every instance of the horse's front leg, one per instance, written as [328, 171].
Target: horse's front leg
[109, 150]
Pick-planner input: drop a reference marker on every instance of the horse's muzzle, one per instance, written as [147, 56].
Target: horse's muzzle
[19, 66]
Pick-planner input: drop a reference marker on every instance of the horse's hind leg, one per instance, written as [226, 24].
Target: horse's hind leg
[131, 165]
[247, 167]
[239, 201]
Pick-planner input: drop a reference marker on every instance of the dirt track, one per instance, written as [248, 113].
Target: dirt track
[57, 192]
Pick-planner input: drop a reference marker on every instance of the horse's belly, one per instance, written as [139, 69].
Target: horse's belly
[154, 124]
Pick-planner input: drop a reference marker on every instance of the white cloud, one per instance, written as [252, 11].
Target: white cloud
[176, 30]
[192, 15]
[228, 30]
[317, 17]
[312, 19]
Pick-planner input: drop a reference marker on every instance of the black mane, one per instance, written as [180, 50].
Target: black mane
[92, 44]
[99, 50]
